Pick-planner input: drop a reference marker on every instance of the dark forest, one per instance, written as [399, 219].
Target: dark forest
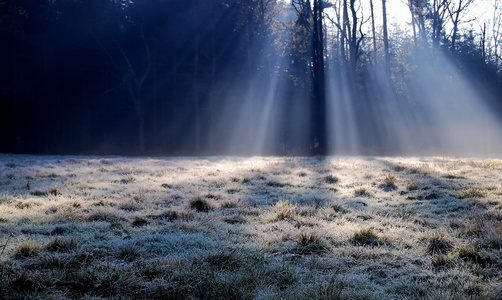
[198, 77]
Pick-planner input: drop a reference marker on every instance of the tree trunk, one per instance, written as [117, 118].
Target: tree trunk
[410, 6]
[212, 92]
[319, 105]
[141, 131]
[343, 36]
[483, 42]
[386, 40]
[353, 38]
[373, 32]
[195, 87]
[455, 20]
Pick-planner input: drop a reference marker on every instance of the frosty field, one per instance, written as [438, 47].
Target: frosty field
[250, 228]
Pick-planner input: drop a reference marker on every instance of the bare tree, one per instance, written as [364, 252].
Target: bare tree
[497, 31]
[133, 76]
[456, 9]
[420, 13]
[437, 15]
[413, 22]
[386, 40]
[195, 81]
[311, 17]
[373, 32]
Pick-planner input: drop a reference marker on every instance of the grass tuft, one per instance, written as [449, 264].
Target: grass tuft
[200, 205]
[331, 179]
[38, 193]
[365, 237]
[229, 204]
[310, 244]
[337, 207]
[105, 214]
[362, 192]
[389, 183]
[276, 184]
[413, 187]
[473, 192]
[28, 248]
[331, 288]
[284, 211]
[129, 252]
[62, 244]
[139, 221]
[169, 216]
[131, 205]
[469, 254]
[441, 261]
[54, 191]
[167, 186]
[438, 244]
[225, 259]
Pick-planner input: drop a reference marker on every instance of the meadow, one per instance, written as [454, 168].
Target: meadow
[250, 228]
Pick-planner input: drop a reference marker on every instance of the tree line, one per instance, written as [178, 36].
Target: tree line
[198, 77]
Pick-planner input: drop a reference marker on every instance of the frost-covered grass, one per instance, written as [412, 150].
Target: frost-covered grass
[250, 228]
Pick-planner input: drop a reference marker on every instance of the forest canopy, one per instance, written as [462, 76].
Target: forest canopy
[191, 77]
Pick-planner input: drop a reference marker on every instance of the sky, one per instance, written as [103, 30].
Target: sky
[398, 11]
[399, 14]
